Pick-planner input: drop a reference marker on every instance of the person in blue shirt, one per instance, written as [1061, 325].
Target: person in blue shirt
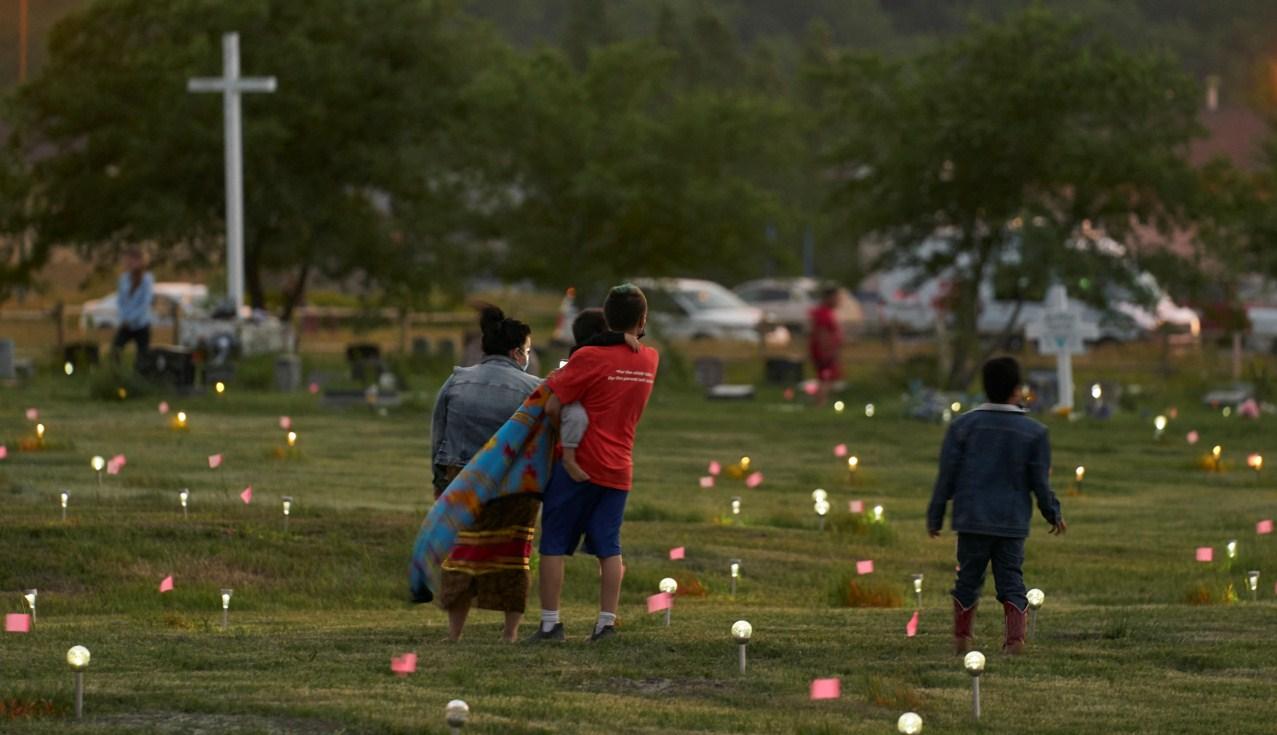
[995, 461]
[133, 296]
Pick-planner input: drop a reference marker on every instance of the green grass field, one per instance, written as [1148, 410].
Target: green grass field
[318, 612]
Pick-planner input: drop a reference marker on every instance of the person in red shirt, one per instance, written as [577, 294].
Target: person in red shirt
[826, 343]
[613, 385]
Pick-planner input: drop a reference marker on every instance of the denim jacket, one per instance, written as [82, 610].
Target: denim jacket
[992, 460]
[472, 404]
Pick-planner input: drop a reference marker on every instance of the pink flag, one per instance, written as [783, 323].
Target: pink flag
[789, 394]
[706, 482]
[826, 688]
[754, 480]
[678, 552]
[911, 627]
[285, 423]
[314, 389]
[404, 665]
[112, 467]
[247, 495]
[1192, 437]
[660, 601]
[1205, 553]
[17, 623]
[1263, 528]
[33, 414]
[4, 452]
[166, 584]
[163, 407]
[120, 460]
[214, 461]
[840, 450]
[856, 506]
[865, 566]
[715, 468]
[811, 387]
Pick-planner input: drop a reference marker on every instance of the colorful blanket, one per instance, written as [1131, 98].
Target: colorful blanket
[517, 459]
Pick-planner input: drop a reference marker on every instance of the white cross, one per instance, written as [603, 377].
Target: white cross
[1061, 331]
[231, 85]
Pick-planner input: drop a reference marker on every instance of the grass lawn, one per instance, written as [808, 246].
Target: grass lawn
[319, 611]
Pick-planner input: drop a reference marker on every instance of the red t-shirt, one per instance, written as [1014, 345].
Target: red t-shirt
[826, 338]
[612, 384]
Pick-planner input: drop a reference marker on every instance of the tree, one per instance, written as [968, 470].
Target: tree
[337, 164]
[1010, 151]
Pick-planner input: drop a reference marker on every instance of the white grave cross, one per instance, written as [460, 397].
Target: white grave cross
[1062, 331]
[231, 85]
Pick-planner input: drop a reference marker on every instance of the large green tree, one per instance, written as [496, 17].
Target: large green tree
[1012, 145]
[350, 168]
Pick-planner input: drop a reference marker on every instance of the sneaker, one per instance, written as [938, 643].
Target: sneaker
[555, 634]
[607, 631]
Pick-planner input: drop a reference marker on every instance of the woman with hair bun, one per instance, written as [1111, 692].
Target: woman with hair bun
[489, 563]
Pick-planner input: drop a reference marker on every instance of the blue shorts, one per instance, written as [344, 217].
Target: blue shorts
[571, 509]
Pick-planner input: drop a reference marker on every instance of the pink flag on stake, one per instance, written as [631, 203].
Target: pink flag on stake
[660, 601]
[856, 506]
[404, 665]
[789, 394]
[112, 467]
[120, 460]
[811, 387]
[1263, 528]
[4, 452]
[840, 450]
[17, 623]
[163, 407]
[33, 414]
[706, 482]
[285, 423]
[911, 627]
[678, 552]
[1205, 553]
[314, 389]
[214, 461]
[166, 584]
[826, 688]
[247, 495]
[754, 480]
[715, 468]
[865, 566]
[1192, 437]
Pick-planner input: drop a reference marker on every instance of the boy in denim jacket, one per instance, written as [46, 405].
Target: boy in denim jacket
[994, 461]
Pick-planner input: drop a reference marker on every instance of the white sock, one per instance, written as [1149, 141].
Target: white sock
[549, 619]
[605, 619]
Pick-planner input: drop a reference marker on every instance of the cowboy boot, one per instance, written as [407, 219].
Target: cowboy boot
[963, 621]
[1016, 619]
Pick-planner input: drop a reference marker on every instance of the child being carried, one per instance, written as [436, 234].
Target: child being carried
[589, 329]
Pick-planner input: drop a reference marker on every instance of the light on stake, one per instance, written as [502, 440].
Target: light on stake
[735, 569]
[78, 659]
[669, 586]
[909, 723]
[64, 497]
[742, 631]
[1252, 581]
[226, 607]
[973, 662]
[30, 595]
[456, 714]
[183, 497]
[917, 588]
[1035, 597]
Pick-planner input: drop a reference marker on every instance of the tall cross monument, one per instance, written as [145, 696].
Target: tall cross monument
[1062, 331]
[231, 85]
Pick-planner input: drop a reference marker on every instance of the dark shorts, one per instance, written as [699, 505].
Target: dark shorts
[571, 509]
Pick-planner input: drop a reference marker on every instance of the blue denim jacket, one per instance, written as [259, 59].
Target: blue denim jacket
[993, 460]
[472, 404]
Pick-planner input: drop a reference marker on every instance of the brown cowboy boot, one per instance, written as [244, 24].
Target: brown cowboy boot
[1016, 619]
[963, 621]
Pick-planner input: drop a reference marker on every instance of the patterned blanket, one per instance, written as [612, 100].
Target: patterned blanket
[517, 459]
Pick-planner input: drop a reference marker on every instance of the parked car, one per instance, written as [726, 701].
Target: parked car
[188, 297]
[692, 309]
[789, 301]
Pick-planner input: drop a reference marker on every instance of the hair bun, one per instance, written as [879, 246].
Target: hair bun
[491, 318]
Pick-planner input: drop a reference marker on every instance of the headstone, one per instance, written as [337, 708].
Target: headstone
[288, 373]
[170, 365]
[709, 372]
[783, 371]
[1062, 331]
[8, 371]
[364, 359]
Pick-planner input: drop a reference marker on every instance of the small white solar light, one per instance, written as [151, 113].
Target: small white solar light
[1217, 454]
[226, 607]
[853, 465]
[669, 586]
[1097, 392]
[68, 368]
[1035, 597]
[78, 659]
[456, 713]
[956, 407]
[818, 495]
[1252, 581]
[877, 514]
[64, 497]
[742, 631]
[735, 568]
[839, 407]
[822, 509]
[736, 506]
[909, 723]
[98, 464]
[1232, 549]
[917, 588]
[183, 497]
[31, 594]
[220, 387]
[869, 410]
[1159, 424]
[973, 662]
[39, 433]
[288, 507]
[292, 439]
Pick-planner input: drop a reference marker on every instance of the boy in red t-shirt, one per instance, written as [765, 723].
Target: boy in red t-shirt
[612, 384]
[826, 343]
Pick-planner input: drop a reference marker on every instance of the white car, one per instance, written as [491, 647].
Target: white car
[789, 301]
[692, 309]
[104, 314]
